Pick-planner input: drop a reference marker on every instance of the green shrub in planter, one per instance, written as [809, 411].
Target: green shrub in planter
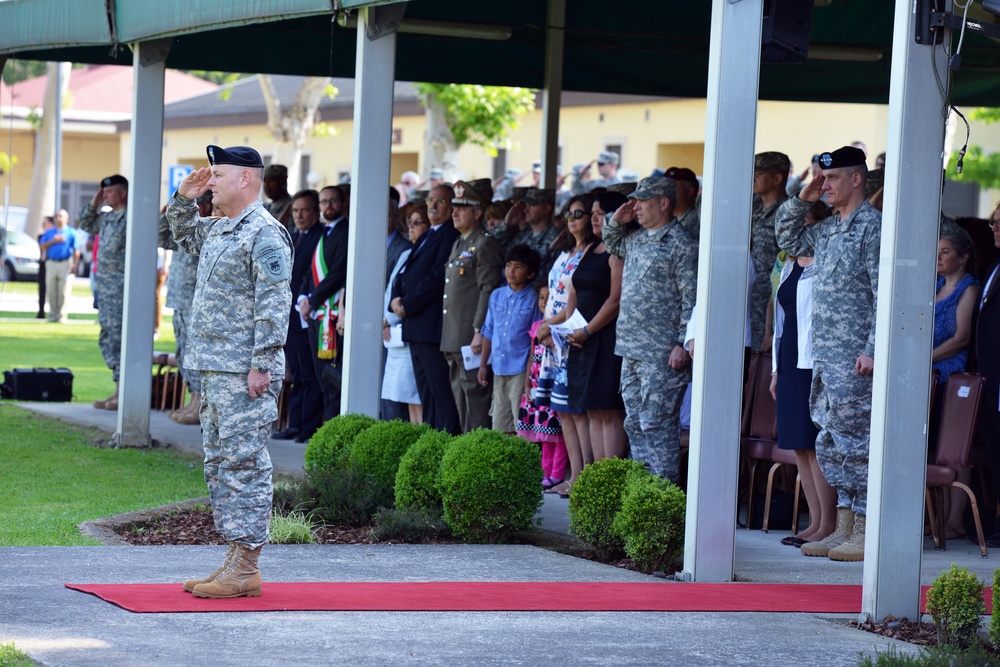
[329, 446]
[410, 526]
[594, 501]
[420, 471]
[994, 633]
[490, 485]
[651, 521]
[342, 495]
[955, 602]
[379, 448]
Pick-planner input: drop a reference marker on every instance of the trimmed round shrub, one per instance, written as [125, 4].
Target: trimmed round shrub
[329, 446]
[490, 485]
[379, 447]
[594, 501]
[420, 472]
[651, 521]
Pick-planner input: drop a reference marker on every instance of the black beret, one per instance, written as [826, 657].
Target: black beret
[117, 179]
[848, 156]
[241, 156]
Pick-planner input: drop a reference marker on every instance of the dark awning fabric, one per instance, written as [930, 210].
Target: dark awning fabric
[657, 48]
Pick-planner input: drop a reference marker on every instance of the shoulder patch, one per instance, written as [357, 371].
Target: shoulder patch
[271, 258]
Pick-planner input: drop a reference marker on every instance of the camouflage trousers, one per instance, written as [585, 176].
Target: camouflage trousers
[192, 376]
[237, 464]
[109, 315]
[840, 404]
[653, 393]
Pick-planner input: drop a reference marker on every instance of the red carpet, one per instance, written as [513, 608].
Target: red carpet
[495, 596]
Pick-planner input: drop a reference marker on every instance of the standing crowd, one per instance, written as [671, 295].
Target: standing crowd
[563, 317]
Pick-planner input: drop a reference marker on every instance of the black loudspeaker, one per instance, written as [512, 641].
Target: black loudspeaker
[786, 29]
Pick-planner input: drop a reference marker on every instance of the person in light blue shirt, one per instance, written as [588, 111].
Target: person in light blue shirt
[506, 336]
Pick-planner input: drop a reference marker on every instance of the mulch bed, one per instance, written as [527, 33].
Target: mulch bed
[923, 634]
[195, 527]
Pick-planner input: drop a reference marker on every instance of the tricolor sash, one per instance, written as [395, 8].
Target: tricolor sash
[327, 313]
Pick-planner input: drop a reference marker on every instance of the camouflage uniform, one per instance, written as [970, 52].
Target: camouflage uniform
[239, 321]
[277, 209]
[180, 295]
[583, 187]
[658, 291]
[845, 285]
[540, 243]
[690, 220]
[109, 281]
[763, 252]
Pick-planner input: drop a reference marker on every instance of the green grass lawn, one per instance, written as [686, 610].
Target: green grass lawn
[54, 477]
[81, 287]
[29, 342]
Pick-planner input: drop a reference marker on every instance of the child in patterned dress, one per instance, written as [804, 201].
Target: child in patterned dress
[536, 421]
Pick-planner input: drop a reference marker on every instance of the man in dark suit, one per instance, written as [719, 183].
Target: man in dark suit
[417, 298]
[319, 294]
[986, 333]
[305, 401]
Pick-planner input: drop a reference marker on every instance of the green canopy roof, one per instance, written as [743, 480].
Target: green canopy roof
[659, 48]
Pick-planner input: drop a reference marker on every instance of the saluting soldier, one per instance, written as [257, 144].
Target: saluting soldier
[239, 322]
[659, 282]
[845, 287]
[109, 282]
[474, 269]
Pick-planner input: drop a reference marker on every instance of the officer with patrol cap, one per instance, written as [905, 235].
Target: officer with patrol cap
[239, 321]
[474, 269]
[607, 168]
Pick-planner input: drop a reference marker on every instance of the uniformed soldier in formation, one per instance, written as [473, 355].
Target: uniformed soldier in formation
[845, 286]
[770, 172]
[109, 281]
[659, 282]
[607, 169]
[474, 269]
[180, 295]
[688, 208]
[238, 323]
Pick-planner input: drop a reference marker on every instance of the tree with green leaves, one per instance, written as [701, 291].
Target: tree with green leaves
[978, 166]
[458, 114]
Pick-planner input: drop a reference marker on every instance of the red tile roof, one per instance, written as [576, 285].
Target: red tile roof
[103, 88]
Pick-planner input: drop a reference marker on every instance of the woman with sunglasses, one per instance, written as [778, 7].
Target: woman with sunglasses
[579, 238]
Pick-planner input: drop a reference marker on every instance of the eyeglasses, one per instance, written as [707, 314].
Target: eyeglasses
[574, 215]
[993, 223]
[328, 201]
[430, 201]
[417, 223]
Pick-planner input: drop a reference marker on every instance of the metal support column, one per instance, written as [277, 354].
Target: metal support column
[713, 466]
[555, 40]
[374, 77]
[148, 65]
[905, 326]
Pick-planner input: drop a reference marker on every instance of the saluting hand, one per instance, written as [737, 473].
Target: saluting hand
[195, 184]
[814, 190]
[626, 212]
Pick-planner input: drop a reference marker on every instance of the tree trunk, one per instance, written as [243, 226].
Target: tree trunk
[440, 149]
[43, 180]
[290, 127]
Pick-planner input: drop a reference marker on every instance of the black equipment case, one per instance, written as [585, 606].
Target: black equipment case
[38, 384]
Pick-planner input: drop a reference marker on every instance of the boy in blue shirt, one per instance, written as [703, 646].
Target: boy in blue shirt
[511, 311]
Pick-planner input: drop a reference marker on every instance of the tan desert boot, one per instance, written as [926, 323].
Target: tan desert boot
[191, 414]
[854, 548]
[240, 579]
[845, 528]
[103, 403]
[191, 583]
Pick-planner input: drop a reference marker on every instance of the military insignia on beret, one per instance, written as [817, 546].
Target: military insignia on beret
[211, 153]
[459, 190]
[825, 160]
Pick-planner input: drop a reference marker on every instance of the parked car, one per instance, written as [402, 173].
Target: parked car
[20, 255]
[13, 217]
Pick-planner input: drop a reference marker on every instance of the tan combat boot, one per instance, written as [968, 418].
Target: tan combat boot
[191, 583]
[854, 548]
[103, 404]
[240, 579]
[190, 414]
[845, 528]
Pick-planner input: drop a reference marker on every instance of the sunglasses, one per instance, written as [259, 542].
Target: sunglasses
[417, 223]
[574, 215]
